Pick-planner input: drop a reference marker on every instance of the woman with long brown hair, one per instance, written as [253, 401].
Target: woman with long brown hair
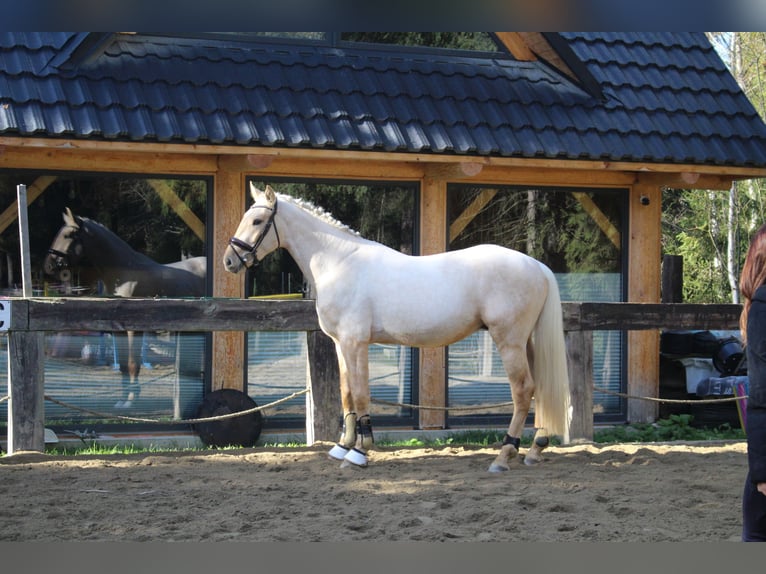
[753, 327]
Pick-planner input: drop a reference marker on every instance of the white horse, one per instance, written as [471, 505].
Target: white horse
[368, 293]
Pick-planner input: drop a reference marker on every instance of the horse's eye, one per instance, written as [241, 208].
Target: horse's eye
[257, 221]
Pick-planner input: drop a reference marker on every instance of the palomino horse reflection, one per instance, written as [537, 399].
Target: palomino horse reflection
[367, 293]
[125, 273]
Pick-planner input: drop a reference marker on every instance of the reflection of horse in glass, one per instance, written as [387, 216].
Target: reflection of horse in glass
[368, 293]
[125, 273]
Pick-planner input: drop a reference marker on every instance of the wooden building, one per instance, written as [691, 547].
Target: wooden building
[626, 114]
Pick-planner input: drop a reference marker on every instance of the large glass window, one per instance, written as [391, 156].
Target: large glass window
[578, 233]
[134, 227]
[276, 361]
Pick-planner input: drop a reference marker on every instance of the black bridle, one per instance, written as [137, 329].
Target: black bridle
[63, 256]
[251, 249]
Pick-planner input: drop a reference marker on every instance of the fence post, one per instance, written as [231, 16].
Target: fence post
[323, 410]
[26, 388]
[580, 358]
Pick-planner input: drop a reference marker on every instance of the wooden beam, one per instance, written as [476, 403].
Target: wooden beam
[226, 314]
[462, 221]
[33, 192]
[687, 180]
[604, 316]
[178, 205]
[145, 314]
[516, 46]
[453, 171]
[180, 158]
[105, 159]
[598, 216]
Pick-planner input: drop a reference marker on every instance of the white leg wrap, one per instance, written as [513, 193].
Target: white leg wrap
[338, 452]
[356, 457]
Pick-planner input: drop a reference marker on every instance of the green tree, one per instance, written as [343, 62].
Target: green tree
[711, 229]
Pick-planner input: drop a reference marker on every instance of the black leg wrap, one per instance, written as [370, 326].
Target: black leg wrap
[364, 428]
[515, 441]
[542, 441]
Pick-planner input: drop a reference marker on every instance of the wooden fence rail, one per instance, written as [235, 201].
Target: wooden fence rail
[27, 319]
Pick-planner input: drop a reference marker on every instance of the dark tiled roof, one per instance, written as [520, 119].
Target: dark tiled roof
[649, 97]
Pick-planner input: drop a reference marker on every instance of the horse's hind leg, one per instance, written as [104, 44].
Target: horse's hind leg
[535, 452]
[129, 353]
[522, 390]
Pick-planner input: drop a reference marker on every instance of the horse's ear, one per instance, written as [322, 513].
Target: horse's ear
[70, 219]
[254, 191]
[271, 195]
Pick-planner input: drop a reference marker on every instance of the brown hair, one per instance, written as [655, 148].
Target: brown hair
[753, 275]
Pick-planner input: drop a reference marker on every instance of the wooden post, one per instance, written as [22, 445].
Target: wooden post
[228, 366]
[323, 405]
[580, 359]
[26, 386]
[433, 360]
[672, 279]
[644, 254]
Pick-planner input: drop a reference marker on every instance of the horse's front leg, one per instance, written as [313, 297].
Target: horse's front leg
[355, 394]
[348, 424]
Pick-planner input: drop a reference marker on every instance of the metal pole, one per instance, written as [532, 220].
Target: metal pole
[26, 269]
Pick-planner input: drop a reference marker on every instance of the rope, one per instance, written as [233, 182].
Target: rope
[183, 421]
[672, 401]
[374, 400]
[426, 407]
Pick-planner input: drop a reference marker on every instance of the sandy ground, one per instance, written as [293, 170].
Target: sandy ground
[642, 493]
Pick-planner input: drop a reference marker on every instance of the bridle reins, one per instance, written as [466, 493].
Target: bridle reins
[251, 249]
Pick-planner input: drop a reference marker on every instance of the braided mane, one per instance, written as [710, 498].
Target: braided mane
[317, 212]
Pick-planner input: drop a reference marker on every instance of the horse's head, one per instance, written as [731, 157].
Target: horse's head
[66, 249]
[253, 239]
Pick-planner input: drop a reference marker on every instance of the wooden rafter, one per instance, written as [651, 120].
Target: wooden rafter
[599, 217]
[462, 221]
[517, 46]
[33, 192]
[179, 206]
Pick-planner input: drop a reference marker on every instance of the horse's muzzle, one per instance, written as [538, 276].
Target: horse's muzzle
[233, 262]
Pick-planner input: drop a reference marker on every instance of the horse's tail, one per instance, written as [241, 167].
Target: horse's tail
[549, 365]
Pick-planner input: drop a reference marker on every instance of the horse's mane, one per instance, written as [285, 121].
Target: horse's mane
[103, 230]
[106, 234]
[318, 212]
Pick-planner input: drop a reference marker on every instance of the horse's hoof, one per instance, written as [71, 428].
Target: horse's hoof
[338, 452]
[529, 461]
[355, 457]
[494, 467]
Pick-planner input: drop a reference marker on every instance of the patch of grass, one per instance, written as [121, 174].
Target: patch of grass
[674, 428]
[100, 449]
